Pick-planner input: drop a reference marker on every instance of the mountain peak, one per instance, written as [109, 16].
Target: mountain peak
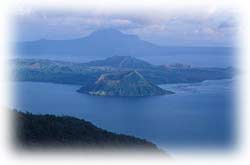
[135, 73]
[107, 31]
[121, 62]
[110, 33]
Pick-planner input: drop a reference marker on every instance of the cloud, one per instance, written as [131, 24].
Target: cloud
[227, 24]
[162, 28]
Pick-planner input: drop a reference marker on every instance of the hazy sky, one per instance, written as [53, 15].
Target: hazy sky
[184, 28]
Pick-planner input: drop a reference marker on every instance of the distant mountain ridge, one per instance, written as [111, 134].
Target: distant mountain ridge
[103, 43]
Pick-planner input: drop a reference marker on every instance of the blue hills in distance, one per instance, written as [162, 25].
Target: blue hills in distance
[106, 43]
[102, 42]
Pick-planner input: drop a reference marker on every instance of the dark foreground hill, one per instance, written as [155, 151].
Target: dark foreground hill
[129, 83]
[50, 131]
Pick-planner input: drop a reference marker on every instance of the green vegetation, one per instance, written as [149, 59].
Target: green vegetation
[64, 131]
[88, 73]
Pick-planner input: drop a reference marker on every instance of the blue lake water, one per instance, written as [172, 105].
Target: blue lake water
[199, 114]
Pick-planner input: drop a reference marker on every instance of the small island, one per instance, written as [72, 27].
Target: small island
[128, 83]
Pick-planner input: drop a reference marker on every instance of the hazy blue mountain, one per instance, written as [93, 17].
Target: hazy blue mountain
[100, 43]
[106, 43]
[130, 83]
